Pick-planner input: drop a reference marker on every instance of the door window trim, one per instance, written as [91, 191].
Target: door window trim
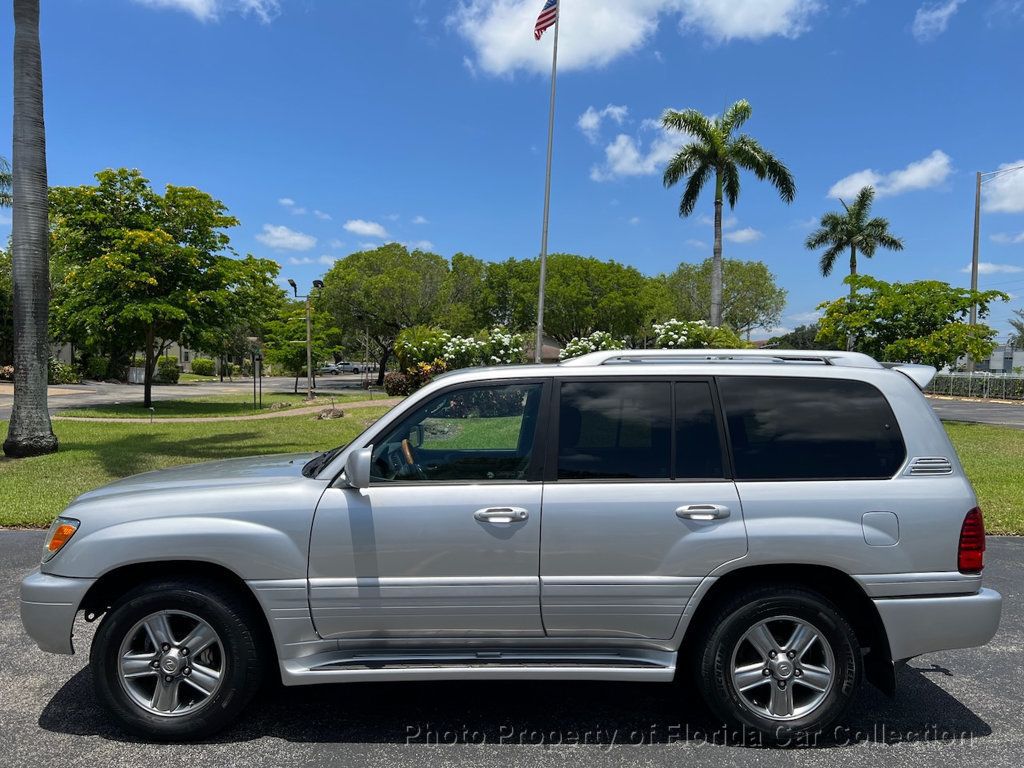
[554, 420]
[534, 470]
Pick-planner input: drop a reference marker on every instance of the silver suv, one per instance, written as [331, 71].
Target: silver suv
[776, 526]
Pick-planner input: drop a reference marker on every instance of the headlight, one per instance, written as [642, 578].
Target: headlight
[60, 533]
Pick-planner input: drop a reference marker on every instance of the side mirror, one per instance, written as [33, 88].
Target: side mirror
[416, 435]
[357, 467]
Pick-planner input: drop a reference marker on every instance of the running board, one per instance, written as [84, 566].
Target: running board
[506, 664]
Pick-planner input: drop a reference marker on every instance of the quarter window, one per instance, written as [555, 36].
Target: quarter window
[810, 429]
[698, 446]
[471, 434]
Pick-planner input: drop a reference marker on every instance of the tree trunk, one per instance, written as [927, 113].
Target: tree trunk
[716, 258]
[30, 432]
[853, 273]
[150, 364]
[383, 366]
[296, 383]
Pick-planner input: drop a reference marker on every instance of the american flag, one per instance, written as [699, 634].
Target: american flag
[546, 20]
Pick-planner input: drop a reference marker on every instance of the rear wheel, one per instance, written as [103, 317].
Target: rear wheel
[781, 660]
[176, 660]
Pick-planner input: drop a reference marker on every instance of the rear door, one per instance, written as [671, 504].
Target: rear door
[639, 505]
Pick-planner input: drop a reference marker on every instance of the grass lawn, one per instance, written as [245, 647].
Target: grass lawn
[34, 491]
[195, 378]
[993, 458]
[214, 405]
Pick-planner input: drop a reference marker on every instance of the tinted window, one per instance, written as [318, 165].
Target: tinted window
[473, 434]
[614, 430]
[698, 446]
[808, 429]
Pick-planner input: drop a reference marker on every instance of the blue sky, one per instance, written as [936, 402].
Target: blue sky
[327, 125]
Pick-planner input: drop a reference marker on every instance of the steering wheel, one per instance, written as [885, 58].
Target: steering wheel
[410, 460]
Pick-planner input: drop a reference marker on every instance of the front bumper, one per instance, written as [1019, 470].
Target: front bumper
[916, 625]
[48, 608]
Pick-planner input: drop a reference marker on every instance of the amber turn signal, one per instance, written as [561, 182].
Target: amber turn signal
[61, 531]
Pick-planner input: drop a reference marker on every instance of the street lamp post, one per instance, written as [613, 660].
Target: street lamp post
[317, 285]
[980, 179]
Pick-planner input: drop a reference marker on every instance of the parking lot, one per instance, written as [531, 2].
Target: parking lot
[953, 708]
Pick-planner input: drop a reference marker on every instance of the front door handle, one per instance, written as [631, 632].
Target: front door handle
[703, 512]
[501, 515]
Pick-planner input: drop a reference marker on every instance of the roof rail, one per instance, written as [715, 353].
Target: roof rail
[618, 356]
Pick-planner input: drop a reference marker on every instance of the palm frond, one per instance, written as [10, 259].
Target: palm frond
[736, 115]
[750, 155]
[828, 259]
[6, 184]
[692, 122]
[691, 193]
[687, 161]
[731, 183]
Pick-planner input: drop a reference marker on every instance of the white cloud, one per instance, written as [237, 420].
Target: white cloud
[327, 260]
[285, 239]
[634, 156]
[420, 220]
[805, 318]
[1006, 239]
[298, 261]
[988, 268]
[420, 245]
[321, 215]
[287, 202]
[634, 221]
[694, 243]
[728, 222]
[590, 121]
[337, 244]
[366, 228]
[931, 19]
[598, 32]
[1005, 194]
[212, 10]
[921, 174]
[291, 205]
[745, 235]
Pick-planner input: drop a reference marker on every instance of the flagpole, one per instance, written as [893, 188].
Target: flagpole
[538, 352]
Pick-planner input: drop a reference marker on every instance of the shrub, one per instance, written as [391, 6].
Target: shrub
[595, 342]
[167, 371]
[203, 366]
[62, 373]
[397, 384]
[421, 344]
[694, 334]
[96, 367]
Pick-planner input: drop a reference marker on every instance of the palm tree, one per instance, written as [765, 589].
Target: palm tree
[852, 231]
[30, 432]
[5, 183]
[716, 152]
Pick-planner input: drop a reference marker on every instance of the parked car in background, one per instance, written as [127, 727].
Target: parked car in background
[330, 369]
[780, 525]
[346, 367]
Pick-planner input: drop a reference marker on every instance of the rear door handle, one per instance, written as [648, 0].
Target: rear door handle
[501, 515]
[703, 512]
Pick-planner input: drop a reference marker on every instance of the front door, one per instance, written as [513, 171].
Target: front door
[638, 509]
[446, 540]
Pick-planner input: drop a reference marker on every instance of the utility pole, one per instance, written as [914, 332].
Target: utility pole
[317, 285]
[538, 352]
[975, 257]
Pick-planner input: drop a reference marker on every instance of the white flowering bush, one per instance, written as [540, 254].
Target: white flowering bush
[427, 345]
[694, 334]
[463, 351]
[595, 342]
[504, 348]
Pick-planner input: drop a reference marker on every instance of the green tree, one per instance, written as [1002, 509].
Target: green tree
[750, 297]
[143, 269]
[285, 341]
[1017, 323]
[463, 302]
[717, 153]
[6, 200]
[853, 231]
[29, 432]
[918, 322]
[6, 310]
[801, 337]
[381, 291]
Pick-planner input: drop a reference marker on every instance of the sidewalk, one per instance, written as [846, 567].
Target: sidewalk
[307, 410]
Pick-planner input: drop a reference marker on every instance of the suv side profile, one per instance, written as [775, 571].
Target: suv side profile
[777, 525]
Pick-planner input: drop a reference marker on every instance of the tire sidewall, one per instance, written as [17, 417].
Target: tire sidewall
[716, 664]
[240, 673]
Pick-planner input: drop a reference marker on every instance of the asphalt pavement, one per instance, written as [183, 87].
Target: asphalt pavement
[953, 708]
[980, 411]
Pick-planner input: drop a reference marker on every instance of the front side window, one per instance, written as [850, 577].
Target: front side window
[468, 434]
[615, 430]
[810, 429]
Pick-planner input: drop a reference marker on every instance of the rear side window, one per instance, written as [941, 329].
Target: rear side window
[615, 430]
[810, 429]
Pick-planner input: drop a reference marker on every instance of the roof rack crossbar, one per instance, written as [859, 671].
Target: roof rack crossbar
[615, 356]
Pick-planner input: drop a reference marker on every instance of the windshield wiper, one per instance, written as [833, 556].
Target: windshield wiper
[313, 466]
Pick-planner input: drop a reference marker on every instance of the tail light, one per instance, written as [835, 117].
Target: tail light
[970, 556]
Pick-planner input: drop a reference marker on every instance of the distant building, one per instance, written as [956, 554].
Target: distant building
[1005, 359]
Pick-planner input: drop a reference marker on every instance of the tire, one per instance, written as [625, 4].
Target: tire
[784, 706]
[212, 682]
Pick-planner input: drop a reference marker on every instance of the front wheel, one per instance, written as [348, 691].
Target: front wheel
[176, 660]
[783, 661]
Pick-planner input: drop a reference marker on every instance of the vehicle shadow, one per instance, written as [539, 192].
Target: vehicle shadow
[536, 713]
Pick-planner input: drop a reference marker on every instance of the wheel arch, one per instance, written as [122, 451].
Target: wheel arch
[115, 583]
[833, 584]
